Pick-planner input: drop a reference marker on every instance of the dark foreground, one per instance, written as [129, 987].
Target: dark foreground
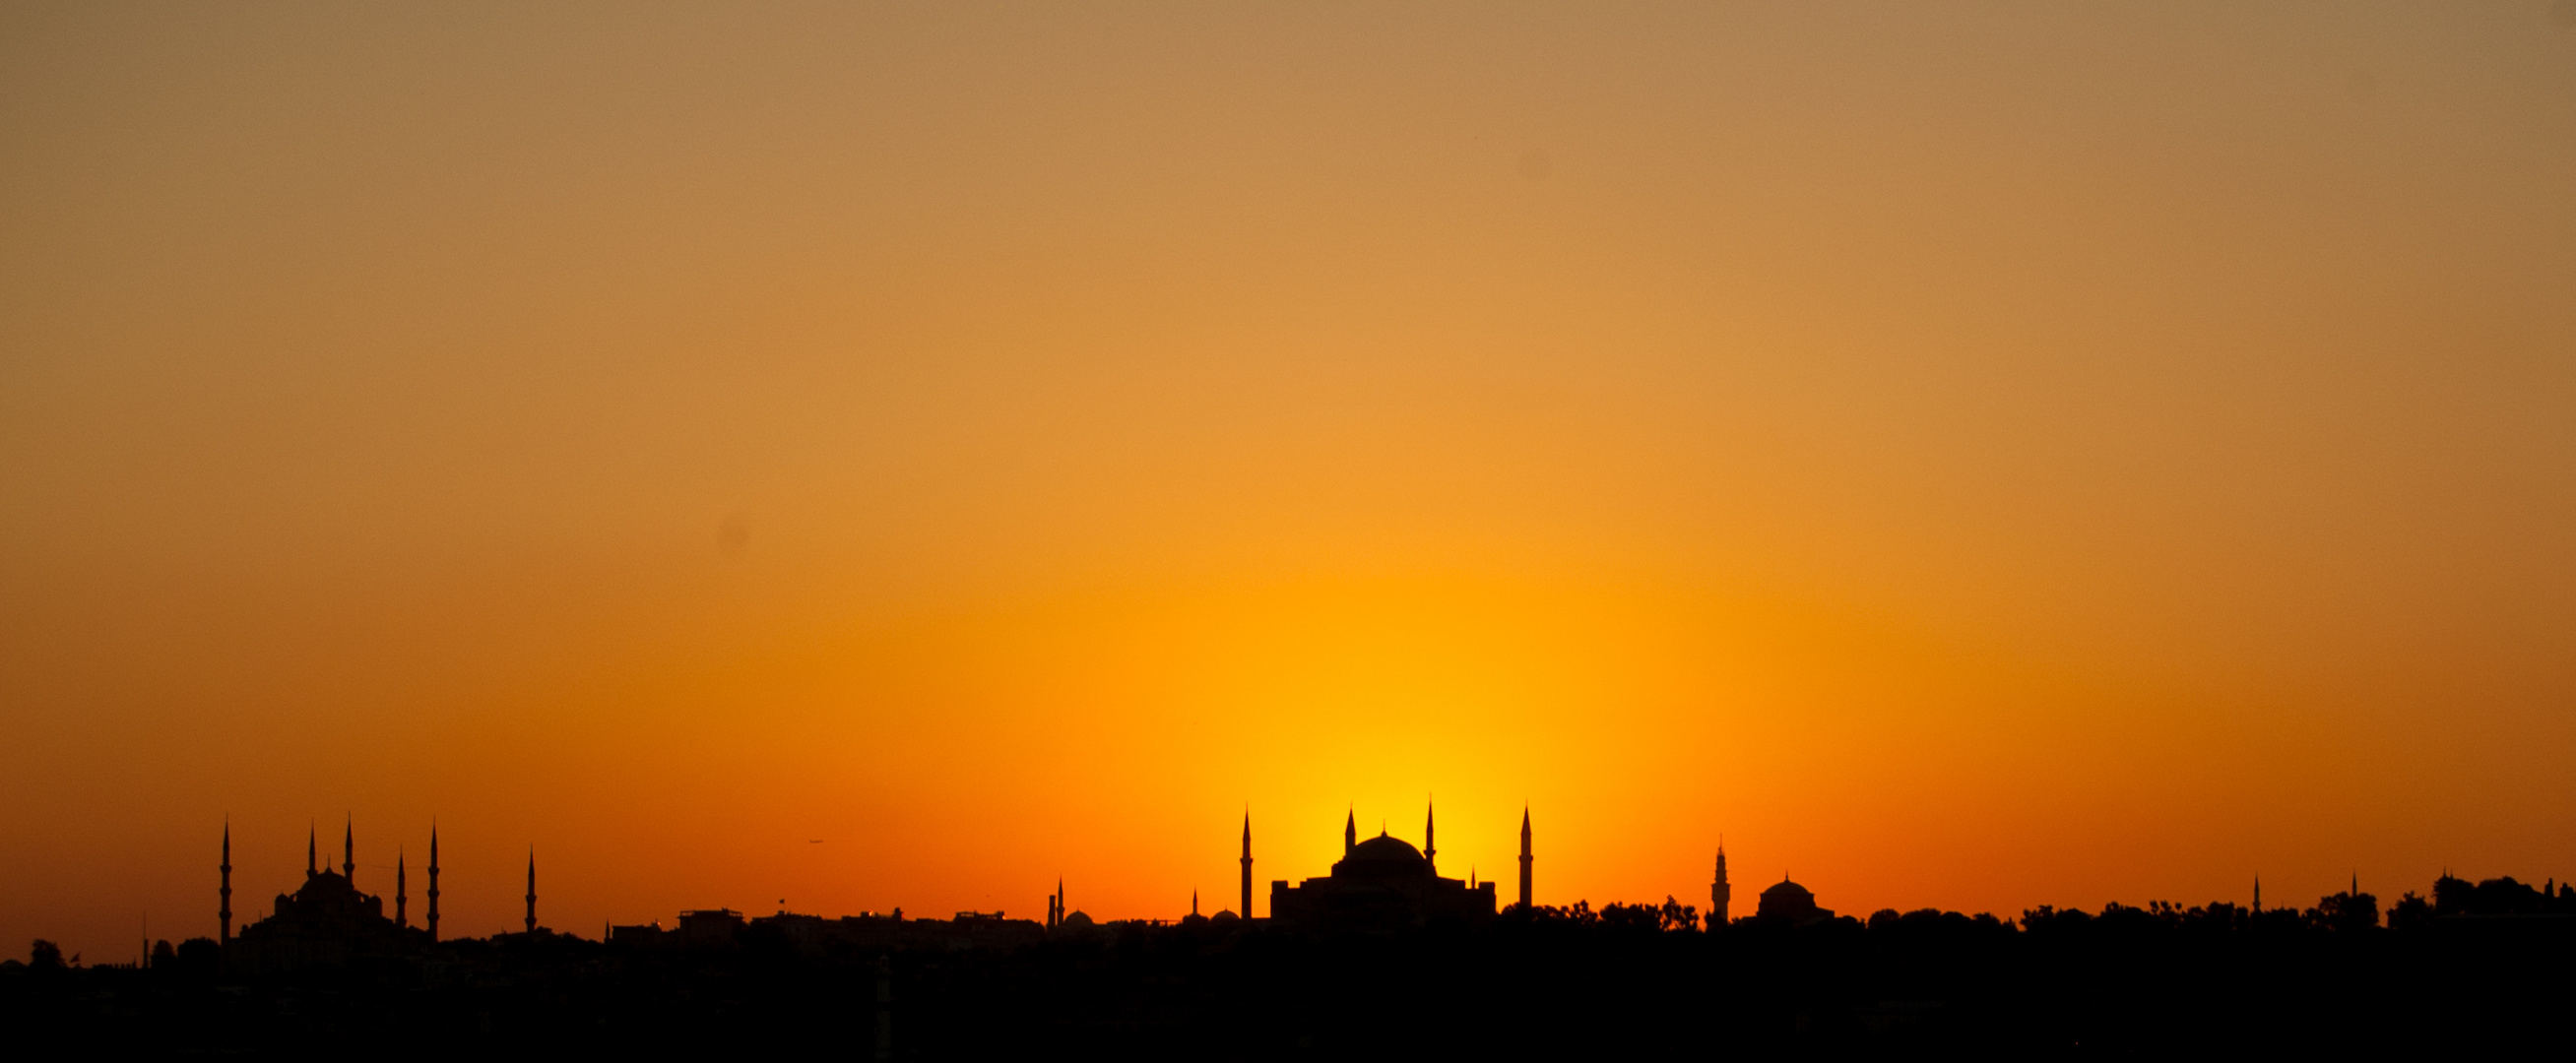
[2157, 982]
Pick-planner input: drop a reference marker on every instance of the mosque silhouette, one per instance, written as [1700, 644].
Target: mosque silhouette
[1380, 885]
[1341, 965]
[328, 922]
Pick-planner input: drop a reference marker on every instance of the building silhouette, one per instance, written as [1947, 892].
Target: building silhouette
[1719, 892]
[1383, 883]
[1247, 863]
[1792, 903]
[224, 914]
[433, 880]
[327, 921]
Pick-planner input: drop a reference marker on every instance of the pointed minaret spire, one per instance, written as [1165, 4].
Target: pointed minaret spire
[1430, 852]
[532, 889]
[400, 918]
[1350, 832]
[1525, 857]
[224, 914]
[2356, 883]
[1720, 893]
[312, 851]
[2258, 894]
[349, 851]
[1194, 902]
[433, 880]
[1247, 862]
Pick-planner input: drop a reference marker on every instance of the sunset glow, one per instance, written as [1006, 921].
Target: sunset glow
[848, 458]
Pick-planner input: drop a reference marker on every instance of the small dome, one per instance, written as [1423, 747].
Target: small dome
[1790, 892]
[1225, 915]
[1078, 919]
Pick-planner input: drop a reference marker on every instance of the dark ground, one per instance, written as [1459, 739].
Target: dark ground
[2129, 983]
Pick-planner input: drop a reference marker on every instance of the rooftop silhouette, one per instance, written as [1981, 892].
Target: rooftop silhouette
[1338, 969]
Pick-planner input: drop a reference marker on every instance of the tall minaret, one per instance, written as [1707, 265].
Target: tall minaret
[312, 851]
[349, 853]
[1525, 858]
[224, 915]
[532, 889]
[433, 880]
[1719, 893]
[1350, 833]
[400, 919]
[1247, 863]
[2258, 894]
[1430, 854]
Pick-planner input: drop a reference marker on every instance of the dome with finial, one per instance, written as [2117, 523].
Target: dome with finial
[1789, 900]
[1384, 856]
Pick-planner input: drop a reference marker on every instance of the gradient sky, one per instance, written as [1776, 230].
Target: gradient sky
[1972, 456]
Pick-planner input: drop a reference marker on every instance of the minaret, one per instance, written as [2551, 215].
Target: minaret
[400, 919]
[2258, 894]
[1430, 854]
[1525, 858]
[532, 889]
[1247, 864]
[224, 915]
[1350, 833]
[312, 852]
[433, 880]
[1194, 902]
[1719, 893]
[349, 853]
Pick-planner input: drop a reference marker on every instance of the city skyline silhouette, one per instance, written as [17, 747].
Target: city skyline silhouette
[738, 474]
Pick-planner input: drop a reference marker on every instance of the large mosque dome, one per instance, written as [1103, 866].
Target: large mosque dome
[1384, 856]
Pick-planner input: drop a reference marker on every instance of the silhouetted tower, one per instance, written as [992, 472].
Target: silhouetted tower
[1350, 833]
[532, 890]
[400, 919]
[1055, 905]
[1719, 893]
[1525, 857]
[1429, 854]
[1194, 902]
[433, 880]
[224, 914]
[1247, 863]
[349, 852]
[312, 852]
[2258, 894]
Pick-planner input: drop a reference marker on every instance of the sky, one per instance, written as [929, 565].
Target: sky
[849, 457]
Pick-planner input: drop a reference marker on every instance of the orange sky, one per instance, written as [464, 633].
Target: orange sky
[1967, 456]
